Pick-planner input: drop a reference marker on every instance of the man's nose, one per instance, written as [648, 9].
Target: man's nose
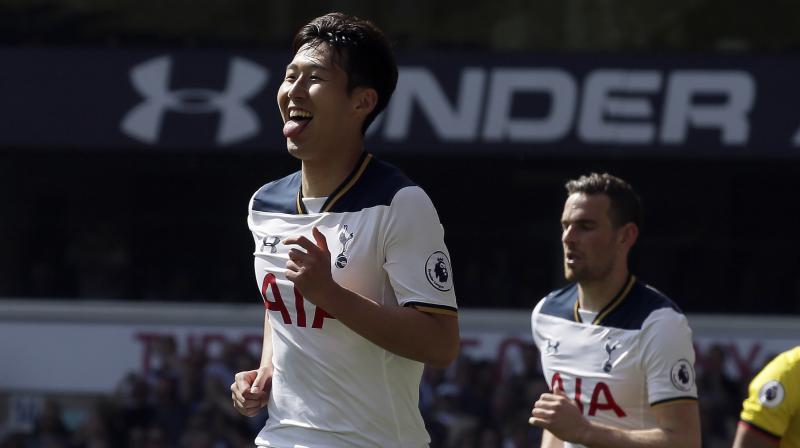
[568, 235]
[298, 88]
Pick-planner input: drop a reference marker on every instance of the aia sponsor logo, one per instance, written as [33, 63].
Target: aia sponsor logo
[602, 400]
[270, 284]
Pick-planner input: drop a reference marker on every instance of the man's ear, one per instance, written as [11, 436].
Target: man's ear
[629, 233]
[365, 99]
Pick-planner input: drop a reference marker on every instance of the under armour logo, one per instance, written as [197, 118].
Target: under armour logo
[151, 81]
[609, 350]
[552, 348]
[271, 242]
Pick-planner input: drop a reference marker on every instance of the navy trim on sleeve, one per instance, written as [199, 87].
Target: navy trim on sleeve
[670, 400]
[431, 305]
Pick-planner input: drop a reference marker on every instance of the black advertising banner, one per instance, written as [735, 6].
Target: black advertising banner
[445, 103]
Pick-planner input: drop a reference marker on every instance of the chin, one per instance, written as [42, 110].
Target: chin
[294, 150]
[573, 275]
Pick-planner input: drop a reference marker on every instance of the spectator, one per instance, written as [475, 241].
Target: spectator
[93, 431]
[49, 429]
[719, 399]
[184, 402]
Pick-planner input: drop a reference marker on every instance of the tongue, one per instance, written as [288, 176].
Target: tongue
[293, 128]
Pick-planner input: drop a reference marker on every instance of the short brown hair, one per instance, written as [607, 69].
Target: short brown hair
[625, 203]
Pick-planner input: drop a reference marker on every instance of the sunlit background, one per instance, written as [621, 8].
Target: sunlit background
[133, 134]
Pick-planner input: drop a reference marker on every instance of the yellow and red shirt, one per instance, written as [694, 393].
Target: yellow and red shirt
[773, 404]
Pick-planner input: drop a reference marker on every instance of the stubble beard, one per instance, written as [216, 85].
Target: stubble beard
[583, 274]
[574, 275]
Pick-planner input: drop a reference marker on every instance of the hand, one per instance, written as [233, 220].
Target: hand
[560, 415]
[250, 390]
[310, 271]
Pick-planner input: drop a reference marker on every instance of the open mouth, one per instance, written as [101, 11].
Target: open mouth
[571, 257]
[298, 120]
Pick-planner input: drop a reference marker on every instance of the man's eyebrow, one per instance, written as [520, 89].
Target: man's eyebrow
[579, 221]
[294, 66]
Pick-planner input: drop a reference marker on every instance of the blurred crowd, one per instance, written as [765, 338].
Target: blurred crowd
[183, 400]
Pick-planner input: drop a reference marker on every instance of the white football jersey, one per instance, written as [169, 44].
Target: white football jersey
[332, 387]
[637, 353]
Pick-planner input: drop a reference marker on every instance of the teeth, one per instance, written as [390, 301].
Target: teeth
[299, 114]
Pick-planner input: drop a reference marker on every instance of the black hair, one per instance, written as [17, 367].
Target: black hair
[625, 203]
[361, 49]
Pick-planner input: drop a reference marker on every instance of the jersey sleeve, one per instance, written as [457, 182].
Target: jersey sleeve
[668, 357]
[773, 397]
[250, 224]
[537, 337]
[416, 259]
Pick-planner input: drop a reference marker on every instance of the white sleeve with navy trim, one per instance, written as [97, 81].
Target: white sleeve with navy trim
[416, 259]
[668, 357]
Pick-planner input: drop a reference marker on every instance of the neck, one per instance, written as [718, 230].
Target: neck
[594, 295]
[322, 176]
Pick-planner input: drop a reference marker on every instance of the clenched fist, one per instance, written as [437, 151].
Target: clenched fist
[250, 390]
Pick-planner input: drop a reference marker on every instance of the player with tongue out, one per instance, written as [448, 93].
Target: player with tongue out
[349, 259]
[326, 111]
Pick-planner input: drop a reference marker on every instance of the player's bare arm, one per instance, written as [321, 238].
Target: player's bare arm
[747, 437]
[551, 441]
[429, 338]
[678, 425]
[250, 389]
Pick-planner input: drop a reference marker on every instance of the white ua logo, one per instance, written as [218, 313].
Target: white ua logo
[552, 349]
[271, 242]
[238, 120]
